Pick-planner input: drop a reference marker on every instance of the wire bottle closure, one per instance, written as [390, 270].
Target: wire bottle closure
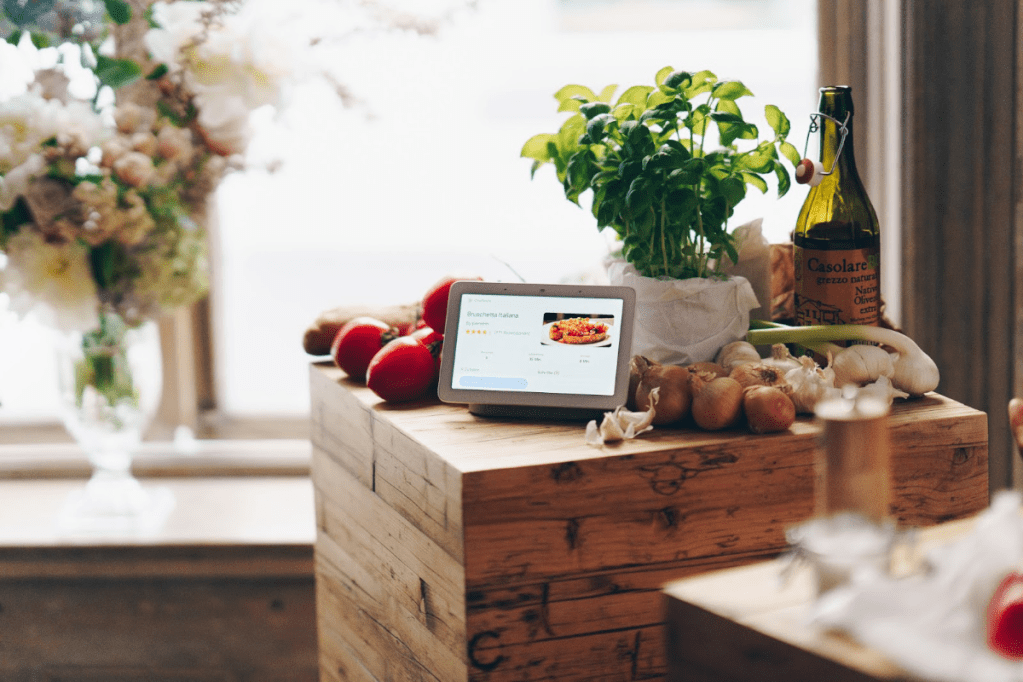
[809, 171]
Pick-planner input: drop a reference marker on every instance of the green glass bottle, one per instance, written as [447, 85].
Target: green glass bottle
[837, 241]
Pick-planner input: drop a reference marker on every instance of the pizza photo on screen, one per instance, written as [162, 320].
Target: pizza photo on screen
[571, 329]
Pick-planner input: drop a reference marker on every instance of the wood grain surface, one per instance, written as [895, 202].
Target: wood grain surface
[492, 549]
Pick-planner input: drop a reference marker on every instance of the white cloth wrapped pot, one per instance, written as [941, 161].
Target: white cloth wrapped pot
[682, 321]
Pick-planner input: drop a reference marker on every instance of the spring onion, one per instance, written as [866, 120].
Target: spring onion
[915, 371]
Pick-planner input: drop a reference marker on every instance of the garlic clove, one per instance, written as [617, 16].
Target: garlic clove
[610, 430]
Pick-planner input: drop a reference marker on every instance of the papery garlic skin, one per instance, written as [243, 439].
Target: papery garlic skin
[622, 424]
[882, 389]
[861, 364]
[781, 358]
[810, 384]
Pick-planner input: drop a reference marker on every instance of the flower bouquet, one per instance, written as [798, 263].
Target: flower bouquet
[108, 155]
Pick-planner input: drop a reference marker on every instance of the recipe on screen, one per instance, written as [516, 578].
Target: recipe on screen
[543, 344]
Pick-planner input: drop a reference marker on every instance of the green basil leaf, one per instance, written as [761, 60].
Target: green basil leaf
[663, 74]
[727, 106]
[697, 121]
[790, 153]
[784, 182]
[778, 121]
[701, 82]
[595, 128]
[636, 96]
[678, 79]
[591, 109]
[571, 130]
[730, 90]
[754, 160]
[567, 95]
[623, 112]
[536, 147]
[657, 99]
[607, 93]
[755, 180]
[639, 197]
[15, 37]
[580, 170]
[682, 178]
[726, 117]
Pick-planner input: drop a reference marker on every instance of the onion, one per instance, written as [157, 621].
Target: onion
[768, 409]
[717, 403]
[637, 365]
[672, 403]
[707, 370]
[758, 374]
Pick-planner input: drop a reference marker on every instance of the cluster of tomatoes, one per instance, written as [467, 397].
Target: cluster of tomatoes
[398, 364]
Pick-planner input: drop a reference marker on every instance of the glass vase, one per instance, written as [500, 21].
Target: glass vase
[111, 379]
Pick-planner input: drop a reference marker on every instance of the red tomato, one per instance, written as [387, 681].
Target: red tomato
[404, 369]
[357, 342]
[435, 302]
[432, 340]
[1005, 617]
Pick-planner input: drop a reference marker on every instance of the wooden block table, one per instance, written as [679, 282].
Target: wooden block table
[747, 623]
[455, 547]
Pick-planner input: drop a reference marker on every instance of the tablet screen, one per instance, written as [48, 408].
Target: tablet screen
[542, 344]
[545, 345]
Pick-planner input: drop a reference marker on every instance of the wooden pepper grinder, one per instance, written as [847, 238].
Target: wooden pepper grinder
[853, 460]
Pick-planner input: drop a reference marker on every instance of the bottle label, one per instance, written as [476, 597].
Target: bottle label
[837, 287]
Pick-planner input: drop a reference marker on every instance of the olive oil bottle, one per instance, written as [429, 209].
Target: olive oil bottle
[837, 241]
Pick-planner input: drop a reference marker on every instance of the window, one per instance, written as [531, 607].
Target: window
[373, 203]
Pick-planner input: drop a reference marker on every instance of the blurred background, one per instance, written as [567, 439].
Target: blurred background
[414, 171]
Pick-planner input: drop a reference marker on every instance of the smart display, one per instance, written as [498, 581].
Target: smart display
[558, 349]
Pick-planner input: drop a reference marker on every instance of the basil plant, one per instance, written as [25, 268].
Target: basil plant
[653, 181]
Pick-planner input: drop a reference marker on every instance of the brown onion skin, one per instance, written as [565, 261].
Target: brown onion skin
[707, 368]
[717, 404]
[674, 398]
[768, 409]
[758, 374]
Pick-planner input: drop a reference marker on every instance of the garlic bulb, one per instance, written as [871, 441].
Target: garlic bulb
[781, 358]
[810, 384]
[861, 364]
[737, 353]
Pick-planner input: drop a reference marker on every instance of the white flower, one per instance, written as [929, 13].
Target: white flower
[238, 64]
[15, 183]
[52, 279]
[28, 120]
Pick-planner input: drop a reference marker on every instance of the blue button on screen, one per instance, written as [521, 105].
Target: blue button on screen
[494, 382]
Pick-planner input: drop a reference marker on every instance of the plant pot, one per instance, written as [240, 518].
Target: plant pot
[682, 321]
